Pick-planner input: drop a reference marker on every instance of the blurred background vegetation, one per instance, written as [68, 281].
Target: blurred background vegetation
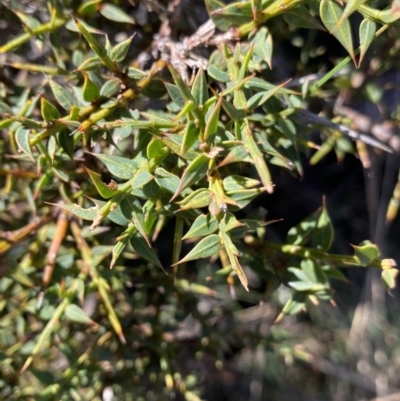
[139, 334]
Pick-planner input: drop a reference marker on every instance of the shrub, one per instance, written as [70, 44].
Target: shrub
[144, 155]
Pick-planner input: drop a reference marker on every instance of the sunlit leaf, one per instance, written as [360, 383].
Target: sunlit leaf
[207, 247]
[331, 13]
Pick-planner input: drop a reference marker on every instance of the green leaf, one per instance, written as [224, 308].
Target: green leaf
[95, 45]
[168, 181]
[194, 172]
[85, 214]
[213, 120]
[197, 199]
[365, 253]
[190, 136]
[120, 51]
[106, 191]
[263, 45]
[351, 6]
[293, 306]
[331, 13]
[323, 232]
[183, 88]
[134, 73]
[47, 110]
[75, 314]
[132, 210]
[235, 182]
[229, 222]
[110, 88]
[22, 138]
[389, 278]
[233, 14]
[299, 234]
[89, 7]
[205, 224]
[175, 94]
[65, 99]
[207, 247]
[301, 18]
[66, 141]
[92, 63]
[121, 167]
[115, 13]
[142, 248]
[367, 33]
[219, 75]
[90, 91]
[199, 88]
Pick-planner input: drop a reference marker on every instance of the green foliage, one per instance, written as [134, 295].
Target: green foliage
[104, 154]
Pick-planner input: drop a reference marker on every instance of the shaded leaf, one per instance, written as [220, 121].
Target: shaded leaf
[301, 18]
[197, 199]
[323, 232]
[142, 248]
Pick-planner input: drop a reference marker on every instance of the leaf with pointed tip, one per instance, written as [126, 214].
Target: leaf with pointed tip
[66, 141]
[175, 94]
[75, 314]
[47, 110]
[323, 232]
[199, 88]
[142, 248]
[331, 13]
[95, 45]
[367, 33]
[63, 97]
[106, 191]
[233, 254]
[115, 13]
[22, 138]
[190, 136]
[110, 88]
[120, 51]
[236, 182]
[232, 14]
[389, 278]
[212, 121]
[207, 247]
[197, 199]
[351, 6]
[121, 167]
[194, 172]
[205, 224]
[85, 214]
[217, 74]
[90, 91]
[365, 253]
[92, 63]
[301, 18]
[132, 210]
[263, 45]
[169, 181]
[229, 222]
